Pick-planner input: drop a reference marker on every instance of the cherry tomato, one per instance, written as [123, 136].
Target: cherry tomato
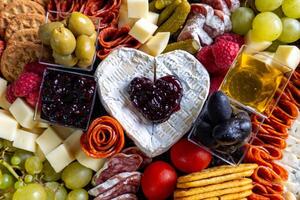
[188, 157]
[159, 181]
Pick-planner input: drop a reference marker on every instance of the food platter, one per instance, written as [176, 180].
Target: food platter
[158, 99]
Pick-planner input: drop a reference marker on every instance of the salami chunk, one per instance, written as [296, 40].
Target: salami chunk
[126, 197]
[232, 4]
[218, 4]
[136, 150]
[122, 183]
[118, 163]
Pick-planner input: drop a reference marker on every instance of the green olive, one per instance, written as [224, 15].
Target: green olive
[80, 24]
[68, 61]
[85, 63]
[93, 37]
[45, 31]
[85, 48]
[63, 41]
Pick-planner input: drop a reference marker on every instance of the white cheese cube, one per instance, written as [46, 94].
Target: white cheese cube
[48, 141]
[156, 44]
[3, 101]
[23, 113]
[39, 153]
[42, 125]
[288, 55]
[152, 17]
[3, 86]
[124, 20]
[8, 126]
[59, 158]
[72, 143]
[137, 8]
[92, 163]
[25, 140]
[63, 131]
[142, 30]
[35, 130]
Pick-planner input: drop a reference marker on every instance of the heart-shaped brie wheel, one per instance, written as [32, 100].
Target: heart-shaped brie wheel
[123, 65]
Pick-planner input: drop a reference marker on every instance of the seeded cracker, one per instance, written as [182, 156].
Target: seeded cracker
[25, 35]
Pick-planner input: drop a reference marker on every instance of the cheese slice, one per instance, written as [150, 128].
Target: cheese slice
[8, 126]
[25, 140]
[156, 44]
[48, 141]
[23, 113]
[92, 163]
[72, 143]
[137, 8]
[59, 158]
[142, 30]
[288, 55]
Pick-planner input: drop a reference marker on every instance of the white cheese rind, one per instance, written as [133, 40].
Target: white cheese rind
[115, 73]
[25, 140]
[142, 30]
[23, 113]
[48, 141]
[156, 44]
[8, 126]
[137, 8]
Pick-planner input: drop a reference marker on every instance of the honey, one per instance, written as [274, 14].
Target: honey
[253, 80]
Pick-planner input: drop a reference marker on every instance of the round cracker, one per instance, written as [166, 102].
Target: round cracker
[25, 35]
[16, 56]
[23, 21]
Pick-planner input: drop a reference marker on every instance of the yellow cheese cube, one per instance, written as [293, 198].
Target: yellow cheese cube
[137, 8]
[8, 126]
[142, 30]
[72, 143]
[63, 131]
[124, 20]
[59, 158]
[156, 44]
[152, 17]
[92, 163]
[25, 140]
[23, 113]
[48, 141]
[288, 55]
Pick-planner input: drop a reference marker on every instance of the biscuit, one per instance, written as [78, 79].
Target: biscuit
[235, 196]
[25, 35]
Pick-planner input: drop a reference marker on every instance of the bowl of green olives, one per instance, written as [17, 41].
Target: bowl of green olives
[73, 41]
[224, 128]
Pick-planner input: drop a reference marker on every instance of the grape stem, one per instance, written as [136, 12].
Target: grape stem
[10, 169]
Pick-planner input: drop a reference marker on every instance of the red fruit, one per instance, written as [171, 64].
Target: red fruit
[224, 53]
[26, 83]
[215, 83]
[32, 98]
[10, 95]
[206, 57]
[232, 37]
[36, 68]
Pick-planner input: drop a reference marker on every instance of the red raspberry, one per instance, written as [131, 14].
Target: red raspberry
[232, 37]
[215, 83]
[206, 57]
[224, 53]
[36, 68]
[26, 83]
[10, 95]
[32, 98]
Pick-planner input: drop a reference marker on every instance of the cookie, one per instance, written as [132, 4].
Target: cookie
[18, 7]
[16, 56]
[25, 35]
[23, 21]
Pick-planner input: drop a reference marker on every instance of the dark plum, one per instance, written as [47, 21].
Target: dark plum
[204, 134]
[242, 115]
[219, 108]
[158, 100]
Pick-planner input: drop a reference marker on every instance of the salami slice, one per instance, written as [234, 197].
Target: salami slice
[117, 164]
[218, 4]
[126, 197]
[123, 183]
[232, 4]
[136, 150]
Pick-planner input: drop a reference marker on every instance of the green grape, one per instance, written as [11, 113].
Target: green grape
[241, 20]
[267, 5]
[267, 26]
[76, 176]
[15, 160]
[23, 155]
[291, 8]
[55, 190]
[78, 194]
[28, 178]
[33, 165]
[49, 173]
[6, 181]
[290, 30]
[19, 184]
[33, 191]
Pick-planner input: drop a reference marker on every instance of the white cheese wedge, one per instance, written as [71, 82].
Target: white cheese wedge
[63, 131]
[59, 158]
[253, 44]
[8, 126]
[137, 8]
[142, 30]
[25, 140]
[92, 163]
[72, 143]
[288, 55]
[48, 141]
[156, 44]
[23, 113]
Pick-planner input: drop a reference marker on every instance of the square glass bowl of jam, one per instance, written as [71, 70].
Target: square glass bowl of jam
[71, 39]
[256, 81]
[225, 129]
[66, 98]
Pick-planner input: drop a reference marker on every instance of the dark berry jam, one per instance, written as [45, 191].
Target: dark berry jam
[67, 98]
[158, 100]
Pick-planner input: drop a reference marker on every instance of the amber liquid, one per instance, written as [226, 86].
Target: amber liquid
[253, 82]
